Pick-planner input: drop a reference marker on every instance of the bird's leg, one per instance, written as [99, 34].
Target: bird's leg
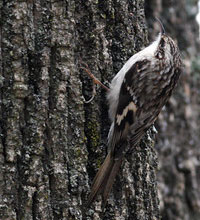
[93, 94]
[95, 82]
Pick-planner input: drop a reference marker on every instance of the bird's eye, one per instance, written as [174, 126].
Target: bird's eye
[162, 42]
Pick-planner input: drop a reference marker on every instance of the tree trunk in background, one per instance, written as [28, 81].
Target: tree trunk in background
[178, 143]
[51, 143]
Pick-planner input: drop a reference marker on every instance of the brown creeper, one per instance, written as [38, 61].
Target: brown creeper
[136, 96]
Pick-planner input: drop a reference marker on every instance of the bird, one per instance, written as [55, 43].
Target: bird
[136, 96]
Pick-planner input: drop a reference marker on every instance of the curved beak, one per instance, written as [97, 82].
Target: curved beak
[162, 29]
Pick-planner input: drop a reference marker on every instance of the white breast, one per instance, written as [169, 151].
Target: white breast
[113, 94]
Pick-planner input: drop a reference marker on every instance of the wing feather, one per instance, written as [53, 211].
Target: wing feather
[128, 104]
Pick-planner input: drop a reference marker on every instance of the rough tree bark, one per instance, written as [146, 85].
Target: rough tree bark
[51, 143]
[178, 141]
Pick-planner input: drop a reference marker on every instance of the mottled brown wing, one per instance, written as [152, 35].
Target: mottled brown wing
[128, 110]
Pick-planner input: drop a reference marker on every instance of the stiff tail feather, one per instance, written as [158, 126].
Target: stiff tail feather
[104, 179]
[110, 179]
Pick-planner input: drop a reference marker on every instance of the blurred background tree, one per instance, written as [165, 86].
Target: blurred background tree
[178, 142]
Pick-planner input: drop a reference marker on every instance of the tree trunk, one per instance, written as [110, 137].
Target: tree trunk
[52, 143]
